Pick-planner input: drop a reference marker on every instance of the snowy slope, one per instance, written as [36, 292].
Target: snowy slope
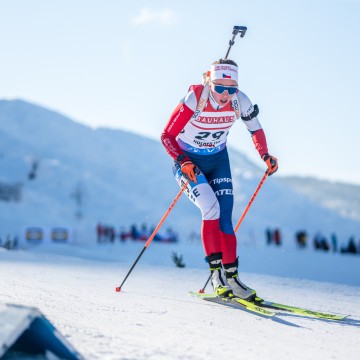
[340, 197]
[125, 178]
[155, 318]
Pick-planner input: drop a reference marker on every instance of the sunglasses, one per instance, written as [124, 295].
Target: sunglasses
[220, 89]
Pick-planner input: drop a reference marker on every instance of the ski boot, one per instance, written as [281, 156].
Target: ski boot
[218, 280]
[238, 288]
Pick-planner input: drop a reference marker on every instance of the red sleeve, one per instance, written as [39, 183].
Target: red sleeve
[178, 119]
[259, 140]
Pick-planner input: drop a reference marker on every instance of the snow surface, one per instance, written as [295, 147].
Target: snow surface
[154, 317]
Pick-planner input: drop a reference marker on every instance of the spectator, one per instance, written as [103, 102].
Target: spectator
[112, 234]
[123, 235]
[269, 236]
[134, 232]
[317, 240]
[277, 237]
[99, 232]
[301, 238]
[351, 248]
[324, 245]
[144, 234]
[334, 242]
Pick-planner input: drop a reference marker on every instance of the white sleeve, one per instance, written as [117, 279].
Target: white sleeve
[248, 112]
[190, 100]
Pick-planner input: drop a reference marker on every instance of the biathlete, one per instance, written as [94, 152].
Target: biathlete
[195, 137]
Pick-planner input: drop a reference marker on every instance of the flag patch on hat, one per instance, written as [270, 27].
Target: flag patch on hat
[226, 76]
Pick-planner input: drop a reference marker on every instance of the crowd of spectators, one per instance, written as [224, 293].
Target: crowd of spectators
[9, 242]
[319, 241]
[273, 236]
[108, 234]
[328, 244]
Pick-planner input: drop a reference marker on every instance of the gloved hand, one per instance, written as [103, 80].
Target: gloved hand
[271, 162]
[189, 170]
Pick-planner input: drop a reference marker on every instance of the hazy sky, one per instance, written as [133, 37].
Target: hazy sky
[127, 64]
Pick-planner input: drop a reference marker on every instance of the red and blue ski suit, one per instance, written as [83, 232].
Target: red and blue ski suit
[202, 139]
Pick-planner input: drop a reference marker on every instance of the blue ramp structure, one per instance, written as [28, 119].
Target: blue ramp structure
[25, 332]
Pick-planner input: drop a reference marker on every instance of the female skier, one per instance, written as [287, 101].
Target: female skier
[195, 137]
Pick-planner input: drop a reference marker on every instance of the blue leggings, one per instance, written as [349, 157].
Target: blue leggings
[213, 193]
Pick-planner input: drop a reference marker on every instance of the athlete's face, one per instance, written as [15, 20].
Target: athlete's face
[225, 97]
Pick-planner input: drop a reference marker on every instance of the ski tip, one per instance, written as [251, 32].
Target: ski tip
[201, 291]
[118, 289]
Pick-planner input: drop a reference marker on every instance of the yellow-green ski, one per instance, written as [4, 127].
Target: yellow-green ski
[267, 308]
[298, 310]
[235, 303]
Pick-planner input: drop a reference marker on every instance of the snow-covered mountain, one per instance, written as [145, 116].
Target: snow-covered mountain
[340, 197]
[120, 178]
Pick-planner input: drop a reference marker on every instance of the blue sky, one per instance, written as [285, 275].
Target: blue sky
[126, 65]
